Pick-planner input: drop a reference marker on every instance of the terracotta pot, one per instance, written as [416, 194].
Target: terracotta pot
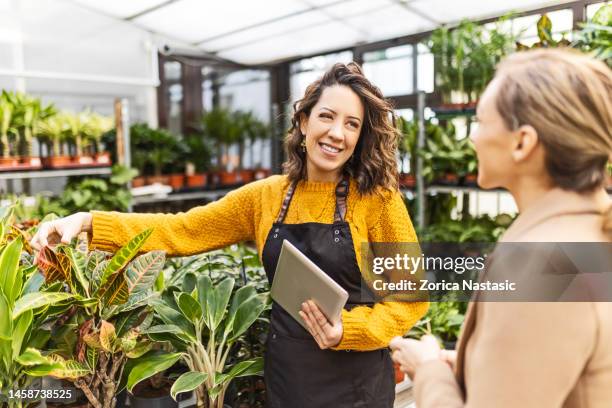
[157, 179]
[196, 180]
[262, 173]
[407, 180]
[8, 163]
[399, 374]
[86, 160]
[448, 179]
[103, 158]
[31, 162]
[138, 182]
[56, 161]
[176, 180]
[246, 176]
[471, 179]
[214, 178]
[227, 178]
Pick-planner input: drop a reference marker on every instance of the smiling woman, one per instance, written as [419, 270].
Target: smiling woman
[343, 124]
[339, 193]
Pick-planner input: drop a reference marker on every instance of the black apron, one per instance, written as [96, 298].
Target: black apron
[297, 372]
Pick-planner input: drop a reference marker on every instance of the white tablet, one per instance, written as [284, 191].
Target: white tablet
[297, 279]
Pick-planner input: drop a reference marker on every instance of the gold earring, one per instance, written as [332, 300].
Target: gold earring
[303, 144]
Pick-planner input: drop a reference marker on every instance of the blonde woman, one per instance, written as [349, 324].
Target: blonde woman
[339, 191]
[545, 134]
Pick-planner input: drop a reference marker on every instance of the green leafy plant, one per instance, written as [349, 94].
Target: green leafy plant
[27, 308]
[53, 132]
[29, 112]
[7, 125]
[445, 154]
[102, 328]
[98, 125]
[466, 56]
[545, 36]
[252, 129]
[483, 229]
[220, 125]
[203, 320]
[99, 194]
[595, 36]
[443, 320]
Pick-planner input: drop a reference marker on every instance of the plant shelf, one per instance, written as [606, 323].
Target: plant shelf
[87, 171]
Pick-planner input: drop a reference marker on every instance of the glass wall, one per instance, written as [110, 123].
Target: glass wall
[305, 71]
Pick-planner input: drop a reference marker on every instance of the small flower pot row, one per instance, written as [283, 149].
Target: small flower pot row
[218, 179]
[451, 179]
[53, 162]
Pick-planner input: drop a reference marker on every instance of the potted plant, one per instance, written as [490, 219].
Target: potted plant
[198, 160]
[252, 129]
[409, 131]
[28, 308]
[78, 127]
[221, 126]
[52, 132]
[162, 154]
[138, 149]
[7, 108]
[465, 58]
[29, 113]
[595, 36]
[177, 167]
[203, 320]
[545, 36]
[101, 331]
[98, 125]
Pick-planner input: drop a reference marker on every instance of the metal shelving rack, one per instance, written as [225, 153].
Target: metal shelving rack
[29, 174]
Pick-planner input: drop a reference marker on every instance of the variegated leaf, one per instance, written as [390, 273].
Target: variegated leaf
[141, 272]
[54, 266]
[94, 258]
[115, 291]
[108, 337]
[141, 348]
[70, 369]
[78, 261]
[92, 340]
[123, 256]
[92, 358]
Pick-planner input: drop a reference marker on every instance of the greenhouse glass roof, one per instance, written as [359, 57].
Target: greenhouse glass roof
[254, 32]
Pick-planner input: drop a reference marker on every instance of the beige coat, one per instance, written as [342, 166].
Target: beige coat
[532, 354]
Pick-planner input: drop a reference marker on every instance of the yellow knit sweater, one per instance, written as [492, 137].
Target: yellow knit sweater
[248, 213]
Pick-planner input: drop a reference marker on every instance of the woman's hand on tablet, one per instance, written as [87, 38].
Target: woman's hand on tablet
[325, 333]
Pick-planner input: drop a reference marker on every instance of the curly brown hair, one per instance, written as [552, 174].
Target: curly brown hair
[373, 163]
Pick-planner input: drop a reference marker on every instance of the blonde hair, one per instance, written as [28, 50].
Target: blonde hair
[566, 96]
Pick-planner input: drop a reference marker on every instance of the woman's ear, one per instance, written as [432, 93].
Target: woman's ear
[525, 142]
[303, 123]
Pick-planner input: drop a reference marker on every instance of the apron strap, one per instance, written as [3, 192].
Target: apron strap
[286, 202]
[342, 190]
